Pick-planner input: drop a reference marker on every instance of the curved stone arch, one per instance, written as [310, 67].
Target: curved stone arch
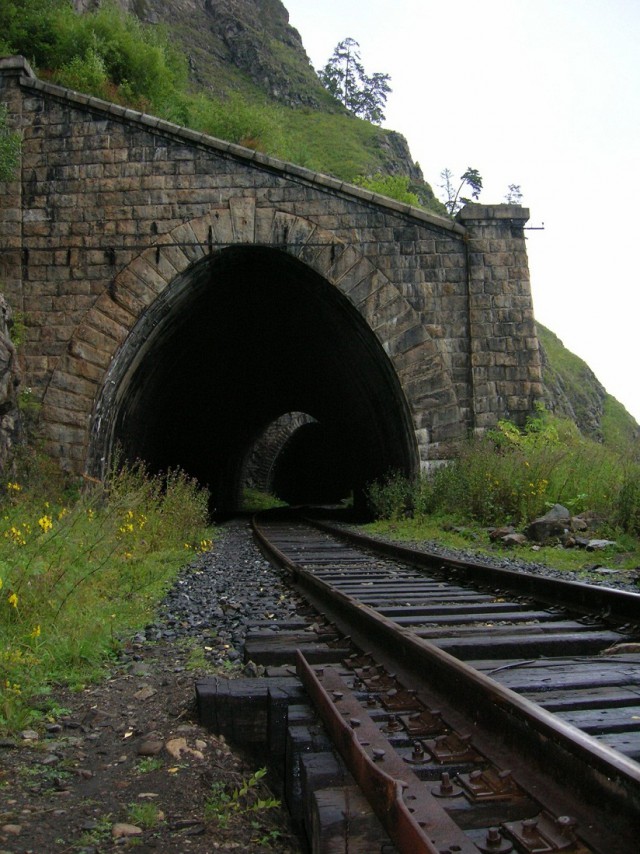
[74, 403]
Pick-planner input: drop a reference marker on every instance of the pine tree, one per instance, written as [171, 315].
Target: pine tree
[345, 78]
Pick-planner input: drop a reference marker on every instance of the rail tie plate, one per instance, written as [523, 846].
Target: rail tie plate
[414, 819]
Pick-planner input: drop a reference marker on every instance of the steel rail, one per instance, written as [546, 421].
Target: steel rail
[577, 595]
[598, 771]
[385, 792]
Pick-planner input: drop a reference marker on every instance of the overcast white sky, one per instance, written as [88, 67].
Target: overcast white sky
[541, 93]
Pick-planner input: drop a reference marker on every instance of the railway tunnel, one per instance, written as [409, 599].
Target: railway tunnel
[239, 339]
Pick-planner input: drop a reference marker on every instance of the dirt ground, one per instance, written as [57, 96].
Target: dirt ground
[125, 765]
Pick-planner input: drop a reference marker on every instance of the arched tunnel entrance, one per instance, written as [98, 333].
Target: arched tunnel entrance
[237, 340]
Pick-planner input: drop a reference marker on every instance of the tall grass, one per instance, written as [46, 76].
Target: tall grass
[512, 476]
[79, 572]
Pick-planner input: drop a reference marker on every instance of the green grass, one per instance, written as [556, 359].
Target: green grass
[254, 501]
[453, 533]
[79, 573]
[144, 814]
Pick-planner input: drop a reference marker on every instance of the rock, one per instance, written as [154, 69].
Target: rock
[578, 524]
[177, 748]
[12, 829]
[553, 524]
[499, 533]
[150, 747]
[29, 735]
[597, 545]
[120, 830]
[84, 773]
[513, 539]
[145, 693]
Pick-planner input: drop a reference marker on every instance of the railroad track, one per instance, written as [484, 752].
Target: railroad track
[476, 709]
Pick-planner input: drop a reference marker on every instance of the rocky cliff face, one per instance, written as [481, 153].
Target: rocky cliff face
[581, 402]
[252, 37]
[573, 391]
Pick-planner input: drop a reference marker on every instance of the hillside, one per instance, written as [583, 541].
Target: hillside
[246, 50]
[572, 390]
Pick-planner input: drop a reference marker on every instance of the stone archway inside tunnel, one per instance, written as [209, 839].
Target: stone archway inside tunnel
[236, 340]
[293, 460]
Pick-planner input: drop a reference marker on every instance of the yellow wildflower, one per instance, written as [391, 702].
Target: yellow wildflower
[36, 632]
[45, 523]
[13, 600]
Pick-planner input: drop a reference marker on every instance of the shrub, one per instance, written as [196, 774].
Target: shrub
[392, 498]
[393, 186]
[513, 475]
[237, 120]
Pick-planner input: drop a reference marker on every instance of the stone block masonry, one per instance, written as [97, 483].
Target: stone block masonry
[112, 208]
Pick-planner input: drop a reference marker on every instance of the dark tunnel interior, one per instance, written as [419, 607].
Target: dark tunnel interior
[241, 338]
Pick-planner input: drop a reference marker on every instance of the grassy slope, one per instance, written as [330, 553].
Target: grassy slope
[317, 132]
[565, 370]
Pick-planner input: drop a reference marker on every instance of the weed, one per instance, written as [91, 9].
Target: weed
[99, 834]
[196, 659]
[148, 764]
[145, 814]
[222, 806]
[265, 838]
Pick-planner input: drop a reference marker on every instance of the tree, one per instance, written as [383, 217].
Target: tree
[345, 78]
[514, 195]
[454, 201]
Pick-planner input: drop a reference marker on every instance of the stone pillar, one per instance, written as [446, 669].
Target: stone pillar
[505, 372]
[11, 69]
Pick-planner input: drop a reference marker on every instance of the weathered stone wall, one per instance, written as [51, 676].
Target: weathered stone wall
[113, 206]
[505, 360]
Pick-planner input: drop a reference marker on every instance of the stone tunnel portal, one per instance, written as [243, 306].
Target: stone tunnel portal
[237, 340]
